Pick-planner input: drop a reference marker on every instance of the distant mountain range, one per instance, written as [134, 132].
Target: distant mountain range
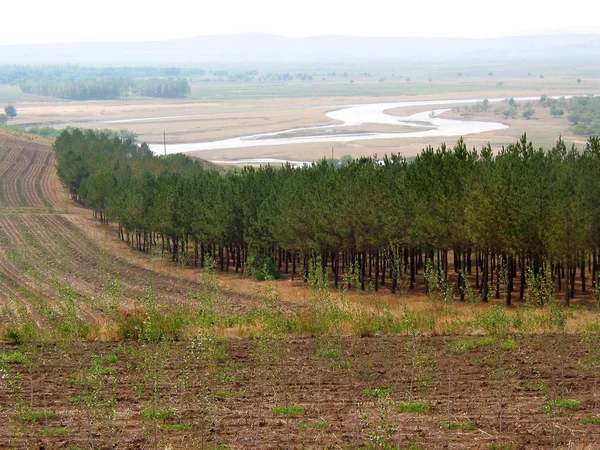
[266, 48]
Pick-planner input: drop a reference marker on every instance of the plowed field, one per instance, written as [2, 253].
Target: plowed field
[347, 395]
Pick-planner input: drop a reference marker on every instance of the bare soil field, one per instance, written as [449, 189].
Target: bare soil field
[303, 393]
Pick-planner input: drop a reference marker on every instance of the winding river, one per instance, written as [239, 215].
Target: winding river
[426, 124]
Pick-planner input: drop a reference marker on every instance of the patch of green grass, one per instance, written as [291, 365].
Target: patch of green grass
[413, 407]
[15, 357]
[61, 431]
[224, 395]
[177, 427]
[465, 345]
[80, 399]
[377, 392]
[313, 426]
[455, 425]
[29, 415]
[99, 371]
[509, 344]
[288, 411]
[556, 404]
[330, 353]
[591, 420]
[531, 386]
[157, 414]
[225, 378]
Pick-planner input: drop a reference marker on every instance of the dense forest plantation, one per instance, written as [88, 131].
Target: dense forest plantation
[524, 213]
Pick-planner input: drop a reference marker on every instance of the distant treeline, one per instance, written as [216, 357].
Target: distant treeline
[108, 88]
[524, 212]
[15, 74]
[164, 88]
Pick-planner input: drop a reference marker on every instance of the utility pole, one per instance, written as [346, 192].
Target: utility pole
[165, 141]
[332, 153]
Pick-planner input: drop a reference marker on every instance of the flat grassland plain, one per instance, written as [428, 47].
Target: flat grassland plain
[103, 347]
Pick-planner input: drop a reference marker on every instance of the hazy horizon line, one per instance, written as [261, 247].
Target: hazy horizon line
[563, 31]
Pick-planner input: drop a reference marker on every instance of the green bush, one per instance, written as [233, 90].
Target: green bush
[154, 326]
[261, 266]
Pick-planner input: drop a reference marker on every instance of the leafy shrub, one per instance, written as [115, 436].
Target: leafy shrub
[261, 266]
[153, 326]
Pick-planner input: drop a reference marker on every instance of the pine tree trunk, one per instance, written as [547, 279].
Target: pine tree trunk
[484, 278]
[376, 270]
[583, 273]
[509, 281]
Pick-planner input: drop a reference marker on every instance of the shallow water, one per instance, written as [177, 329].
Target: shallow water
[426, 124]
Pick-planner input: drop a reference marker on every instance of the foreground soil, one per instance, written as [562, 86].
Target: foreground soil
[223, 394]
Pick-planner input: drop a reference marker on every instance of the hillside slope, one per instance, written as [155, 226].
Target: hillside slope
[55, 261]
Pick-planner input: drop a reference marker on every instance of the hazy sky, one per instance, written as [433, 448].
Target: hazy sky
[29, 21]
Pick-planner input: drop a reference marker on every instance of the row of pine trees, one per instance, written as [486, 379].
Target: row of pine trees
[492, 221]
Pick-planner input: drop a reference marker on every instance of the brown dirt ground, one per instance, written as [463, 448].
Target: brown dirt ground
[229, 400]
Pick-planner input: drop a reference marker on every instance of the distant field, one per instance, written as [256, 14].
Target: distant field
[224, 109]
[328, 89]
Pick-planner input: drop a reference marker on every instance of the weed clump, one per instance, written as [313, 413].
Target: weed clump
[415, 407]
[553, 405]
[156, 414]
[13, 358]
[288, 411]
[462, 426]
